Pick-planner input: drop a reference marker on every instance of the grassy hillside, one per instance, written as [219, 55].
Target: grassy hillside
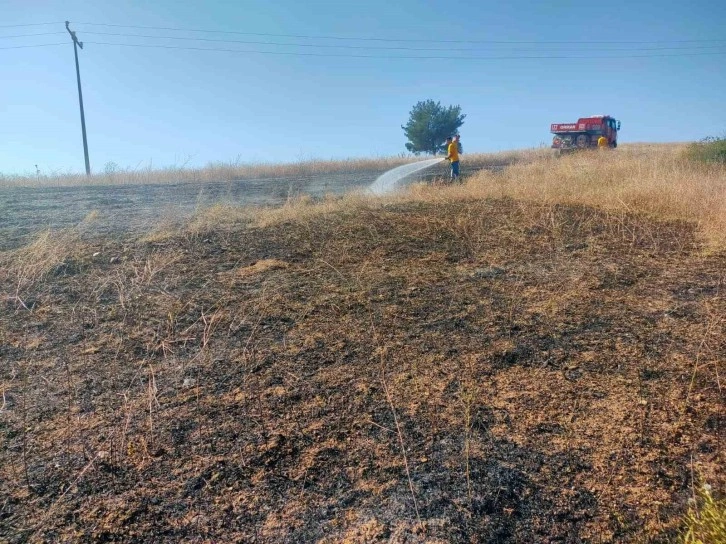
[536, 355]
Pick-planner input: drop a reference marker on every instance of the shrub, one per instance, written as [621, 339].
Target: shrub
[709, 149]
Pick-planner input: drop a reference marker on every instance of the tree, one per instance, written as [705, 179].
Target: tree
[429, 124]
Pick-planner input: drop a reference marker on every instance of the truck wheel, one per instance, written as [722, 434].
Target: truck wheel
[581, 141]
[614, 144]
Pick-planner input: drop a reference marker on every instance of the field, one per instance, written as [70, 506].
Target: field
[132, 202]
[535, 355]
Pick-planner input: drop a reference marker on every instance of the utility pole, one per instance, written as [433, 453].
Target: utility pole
[76, 45]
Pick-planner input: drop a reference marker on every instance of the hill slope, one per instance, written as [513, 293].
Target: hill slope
[550, 371]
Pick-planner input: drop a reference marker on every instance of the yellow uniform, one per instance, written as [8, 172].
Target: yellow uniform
[602, 141]
[453, 152]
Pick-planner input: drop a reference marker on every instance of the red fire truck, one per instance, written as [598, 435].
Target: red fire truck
[585, 133]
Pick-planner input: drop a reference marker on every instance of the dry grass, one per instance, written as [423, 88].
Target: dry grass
[706, 519]
[32, 264]
[238, 170]
[552, 371]
[654, 180]
[658, 182]
[548, 376]
[209, 173]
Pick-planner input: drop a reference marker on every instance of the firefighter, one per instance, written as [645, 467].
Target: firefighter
[602, 142]
[452, 150]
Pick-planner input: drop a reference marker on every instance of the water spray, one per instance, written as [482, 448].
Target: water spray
[387, 182]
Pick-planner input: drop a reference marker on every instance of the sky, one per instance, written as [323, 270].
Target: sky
[153, 106]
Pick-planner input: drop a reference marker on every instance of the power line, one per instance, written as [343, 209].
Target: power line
[32, 24]
[421, 57]
[389, 57]
[323, 37]
[369, 47]
[36, 45]
[31, 35]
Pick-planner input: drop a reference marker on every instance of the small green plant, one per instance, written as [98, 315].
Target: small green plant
[705, 522]
[709, 149]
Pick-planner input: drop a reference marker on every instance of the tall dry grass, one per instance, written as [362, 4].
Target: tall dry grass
[51, 252]
[652, 179]
[213, 172]
[24, 267]
[657, 181]
[237, 170]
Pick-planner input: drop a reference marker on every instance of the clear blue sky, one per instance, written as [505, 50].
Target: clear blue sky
[170, 105]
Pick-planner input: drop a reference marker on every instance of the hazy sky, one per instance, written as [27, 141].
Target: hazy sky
[169, 106]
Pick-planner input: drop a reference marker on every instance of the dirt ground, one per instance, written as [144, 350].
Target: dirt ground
[475, 371]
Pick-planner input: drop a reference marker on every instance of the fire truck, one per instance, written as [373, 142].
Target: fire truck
[585, 133]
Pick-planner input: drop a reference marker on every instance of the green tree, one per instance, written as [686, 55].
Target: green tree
[429, 124]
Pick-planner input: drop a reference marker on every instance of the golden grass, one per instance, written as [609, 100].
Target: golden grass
[31, 264]
[50, 252]
[300, 208]
[238, 170]
[657, 181]
[257, 268]
[212, 172]
[47, 252]
[37, 259]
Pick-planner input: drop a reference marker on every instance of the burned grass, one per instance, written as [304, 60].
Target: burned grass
[470, 371]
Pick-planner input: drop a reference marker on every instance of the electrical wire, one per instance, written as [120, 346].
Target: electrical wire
[323, 37]
[556, 54]
[36, 45]
[33, 24]
[31, 35]
[368, 47]
[420, 57]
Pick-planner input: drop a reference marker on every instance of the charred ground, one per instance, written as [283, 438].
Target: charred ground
[551, 372]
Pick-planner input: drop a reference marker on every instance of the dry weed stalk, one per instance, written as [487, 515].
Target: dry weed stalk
[51, 509]
[401, 442]
[153, 401]
[210, 323]
[124, 442]
[713, 328]
[144, 272]
[382, 353]
[469, 392]
[24, 438]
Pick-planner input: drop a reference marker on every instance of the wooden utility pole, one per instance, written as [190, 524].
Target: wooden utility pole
[76, 45]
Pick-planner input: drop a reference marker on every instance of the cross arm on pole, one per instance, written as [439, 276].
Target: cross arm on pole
[73, 35]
